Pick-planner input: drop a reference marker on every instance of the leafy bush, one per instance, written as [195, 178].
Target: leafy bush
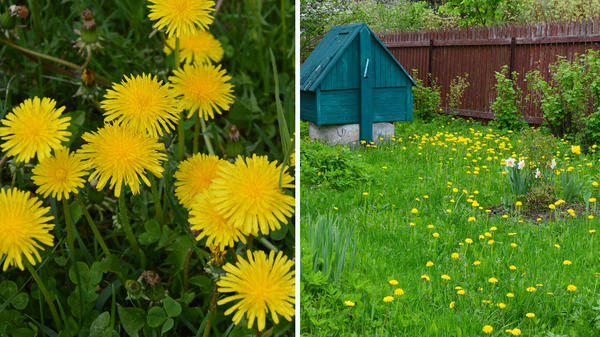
[537, 146]
[426, 100]
[571, 98]
[456, 91]
[507, 104]
[335, 167]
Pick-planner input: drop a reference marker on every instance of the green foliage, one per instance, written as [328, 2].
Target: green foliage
[456, 91]
[572, 187]
[571, 97]
[426, 99]
[483, 12]
[519, 179]
[335, 167]
[537, 146]
[168, 292]
[317, 16]
[507, 104]
[330, 247]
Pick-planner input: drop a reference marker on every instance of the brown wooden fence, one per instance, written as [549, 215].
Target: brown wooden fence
[482, 51]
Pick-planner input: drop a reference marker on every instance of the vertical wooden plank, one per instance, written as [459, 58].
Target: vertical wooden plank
[366, 87]
[318, 103]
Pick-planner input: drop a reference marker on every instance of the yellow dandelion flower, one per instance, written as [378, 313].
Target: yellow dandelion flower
[249, 195]
[445, 277]
[425, 278]
[399, 291]
[204, 88]
[567, 262]
[436, 235]
[143, 103]
[211, 224]
[501, 305]
[516, 332]
[487, 329]
[120, 155]
[451, 305]
[461, 291]
[576, 149]
[59, 175]
[414, 211]
[195, 175]
[198, 47]
[34, 128]
[469, 241]
[476, 262]
[530, 315]
[429, 264]
[181, 17]
[510, 295]
[455, 255]
[393, 282]
[261, 285]
[493, 280]
[512, 267]
[530, 289]
[349, 303]
[388, 299]
[571, 287]
[23, 227]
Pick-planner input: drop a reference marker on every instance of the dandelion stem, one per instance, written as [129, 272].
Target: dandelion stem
[196, 134]
[93, 227]
[69, 224]
[155, 196]
[181, 137]
[127, 227]
[213, 306]
[46, 294]
[186, 266]
[206, 138]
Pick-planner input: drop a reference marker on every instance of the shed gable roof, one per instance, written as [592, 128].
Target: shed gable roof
[328, 51]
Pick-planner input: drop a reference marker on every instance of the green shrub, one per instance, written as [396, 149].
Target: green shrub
[458, 85]
[335, 167]
[507, 104]
[571, 98]
[426, 100]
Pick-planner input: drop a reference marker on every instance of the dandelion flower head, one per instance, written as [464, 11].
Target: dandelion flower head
[261, 285]
[143, 103]
[204, 88]
[194, 175]
[181, 17]
[211, 224]
[24, 227]
[34, 128]
[121, 155]
[59, 175]
[198, 47]
[248, 194]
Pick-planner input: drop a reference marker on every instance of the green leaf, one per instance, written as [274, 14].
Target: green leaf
[132, 320]
[279, 234]
[83, 269]
[20, 301]
[172, 307]
[99, 327]
[152, 233]
[167, 326]
[75, 212]
[156, 317]
[7, 289]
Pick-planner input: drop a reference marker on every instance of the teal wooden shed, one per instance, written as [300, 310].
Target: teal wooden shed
[351, 77]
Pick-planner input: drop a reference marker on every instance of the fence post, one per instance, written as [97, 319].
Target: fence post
[430, 66]
[513, 51]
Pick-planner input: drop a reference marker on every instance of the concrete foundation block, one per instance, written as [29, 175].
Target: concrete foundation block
[348, 133]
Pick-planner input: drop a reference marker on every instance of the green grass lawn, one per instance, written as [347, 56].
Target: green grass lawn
[413, 210]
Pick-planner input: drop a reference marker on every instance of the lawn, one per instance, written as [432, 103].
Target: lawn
[422, 236]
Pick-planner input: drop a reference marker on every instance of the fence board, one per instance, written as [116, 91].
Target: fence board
[481, 51]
